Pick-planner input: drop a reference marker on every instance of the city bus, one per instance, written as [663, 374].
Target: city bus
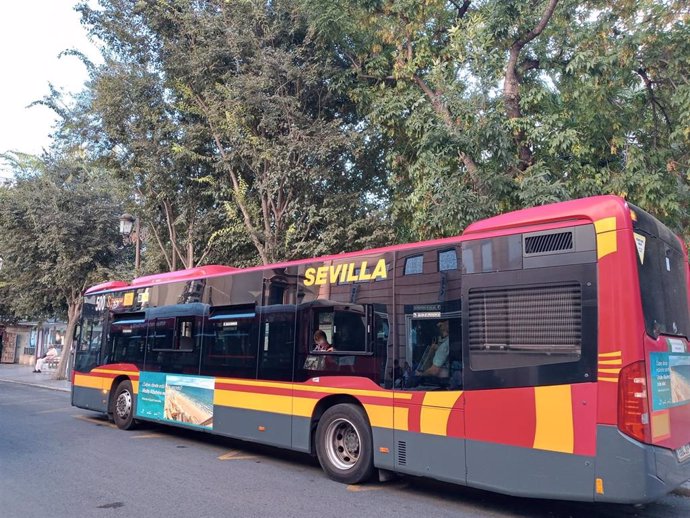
[542, 353]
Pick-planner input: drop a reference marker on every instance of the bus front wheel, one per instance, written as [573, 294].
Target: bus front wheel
[123, 406]
[344, 444]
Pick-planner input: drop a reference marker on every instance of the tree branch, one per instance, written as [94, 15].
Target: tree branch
[548, 12]
[649, 86]
[172, 233]
[253, 235]
[512, 80]
[436, 102]
[462, 9]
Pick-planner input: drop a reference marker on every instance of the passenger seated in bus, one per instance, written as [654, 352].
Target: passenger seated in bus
[321, 342]
[440, 348]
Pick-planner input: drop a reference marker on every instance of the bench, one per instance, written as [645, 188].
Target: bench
[52, 363]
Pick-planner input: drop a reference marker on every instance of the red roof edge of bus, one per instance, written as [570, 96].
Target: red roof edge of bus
[106, 286]
[592, 209]
[589, 209]
[182, 275]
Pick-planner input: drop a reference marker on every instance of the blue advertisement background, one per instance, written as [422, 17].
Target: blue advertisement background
[176, 398]
[151, 396]
[670, 379]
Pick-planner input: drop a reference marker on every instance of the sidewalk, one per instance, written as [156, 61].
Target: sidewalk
[24, 375]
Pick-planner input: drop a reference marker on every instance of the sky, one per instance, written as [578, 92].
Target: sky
[32, 35]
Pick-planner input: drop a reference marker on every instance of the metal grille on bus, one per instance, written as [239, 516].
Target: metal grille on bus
[548, 243]
[402, 453]
[534, 317]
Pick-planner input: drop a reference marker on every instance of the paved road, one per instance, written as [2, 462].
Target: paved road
[59, 461]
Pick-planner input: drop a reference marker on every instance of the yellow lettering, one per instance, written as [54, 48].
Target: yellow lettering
[351, 277]
[342, 273]
[380, 272]
[363, 275]
[321, 275]
[335, 271]
[309, 276]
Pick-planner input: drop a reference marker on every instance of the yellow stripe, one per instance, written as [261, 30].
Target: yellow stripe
[606, 236]
[253, 383]
[441, 399]
[605, 225]
[616, 354]
[434, 420]
[380, 416]
[401, 418]
[386, 394]
[611, 362]
[88, 381]
[554, 419]
[435, 411]
[612, 380]
[610, 371]
[303, 406]
[253, 401]
[606, 244]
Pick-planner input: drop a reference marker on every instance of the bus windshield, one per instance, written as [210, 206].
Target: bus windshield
[663, 277]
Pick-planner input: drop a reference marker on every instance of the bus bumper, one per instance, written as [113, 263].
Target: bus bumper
[629, 471]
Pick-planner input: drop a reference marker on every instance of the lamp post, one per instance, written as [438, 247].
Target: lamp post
[127, 221]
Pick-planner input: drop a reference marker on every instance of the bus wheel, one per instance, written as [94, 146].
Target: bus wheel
[123, 406]
[344, 444]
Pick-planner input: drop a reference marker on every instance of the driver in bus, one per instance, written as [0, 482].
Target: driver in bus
[440, 349]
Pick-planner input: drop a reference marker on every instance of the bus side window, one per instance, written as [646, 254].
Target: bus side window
[350, 332]
[185, 338]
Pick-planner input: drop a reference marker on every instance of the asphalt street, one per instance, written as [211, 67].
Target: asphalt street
[60, 461]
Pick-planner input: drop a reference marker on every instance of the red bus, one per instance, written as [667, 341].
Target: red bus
[542, 353]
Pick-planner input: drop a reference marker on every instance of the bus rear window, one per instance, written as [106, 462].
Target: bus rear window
[662, 273]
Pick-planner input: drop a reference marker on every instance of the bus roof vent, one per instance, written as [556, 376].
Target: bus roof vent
[548, 242]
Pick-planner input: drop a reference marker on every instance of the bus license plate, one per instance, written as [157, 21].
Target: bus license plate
[683, 452]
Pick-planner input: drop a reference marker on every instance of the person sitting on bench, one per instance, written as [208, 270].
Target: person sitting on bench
[50, 354]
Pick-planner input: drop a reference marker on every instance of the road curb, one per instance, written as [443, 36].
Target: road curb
[37, 385]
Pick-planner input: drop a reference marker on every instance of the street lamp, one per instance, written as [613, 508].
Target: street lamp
[127, 221]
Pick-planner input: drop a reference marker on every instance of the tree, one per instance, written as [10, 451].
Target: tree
[128, 120]
[241, 94]
[492, 105]
[58, 233]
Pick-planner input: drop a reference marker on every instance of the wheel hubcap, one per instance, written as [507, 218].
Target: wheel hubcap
[342, 444]
[123, 405]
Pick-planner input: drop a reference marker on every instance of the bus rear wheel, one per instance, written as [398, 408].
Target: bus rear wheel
[123, 406]
[344, 444]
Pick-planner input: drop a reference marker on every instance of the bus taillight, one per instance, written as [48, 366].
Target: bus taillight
[633, 410]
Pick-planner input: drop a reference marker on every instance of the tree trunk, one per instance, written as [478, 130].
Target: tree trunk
[512, 85]
[73, 313]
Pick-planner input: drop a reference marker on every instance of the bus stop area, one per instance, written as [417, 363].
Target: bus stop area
[24, 375]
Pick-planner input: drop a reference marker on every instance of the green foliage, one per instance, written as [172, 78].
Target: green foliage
[227, 118]
[58, 231]
[595, 103]
[141, 133]
[253, 131]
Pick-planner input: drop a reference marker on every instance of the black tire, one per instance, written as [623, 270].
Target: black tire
[123, 406]
[344, 445]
